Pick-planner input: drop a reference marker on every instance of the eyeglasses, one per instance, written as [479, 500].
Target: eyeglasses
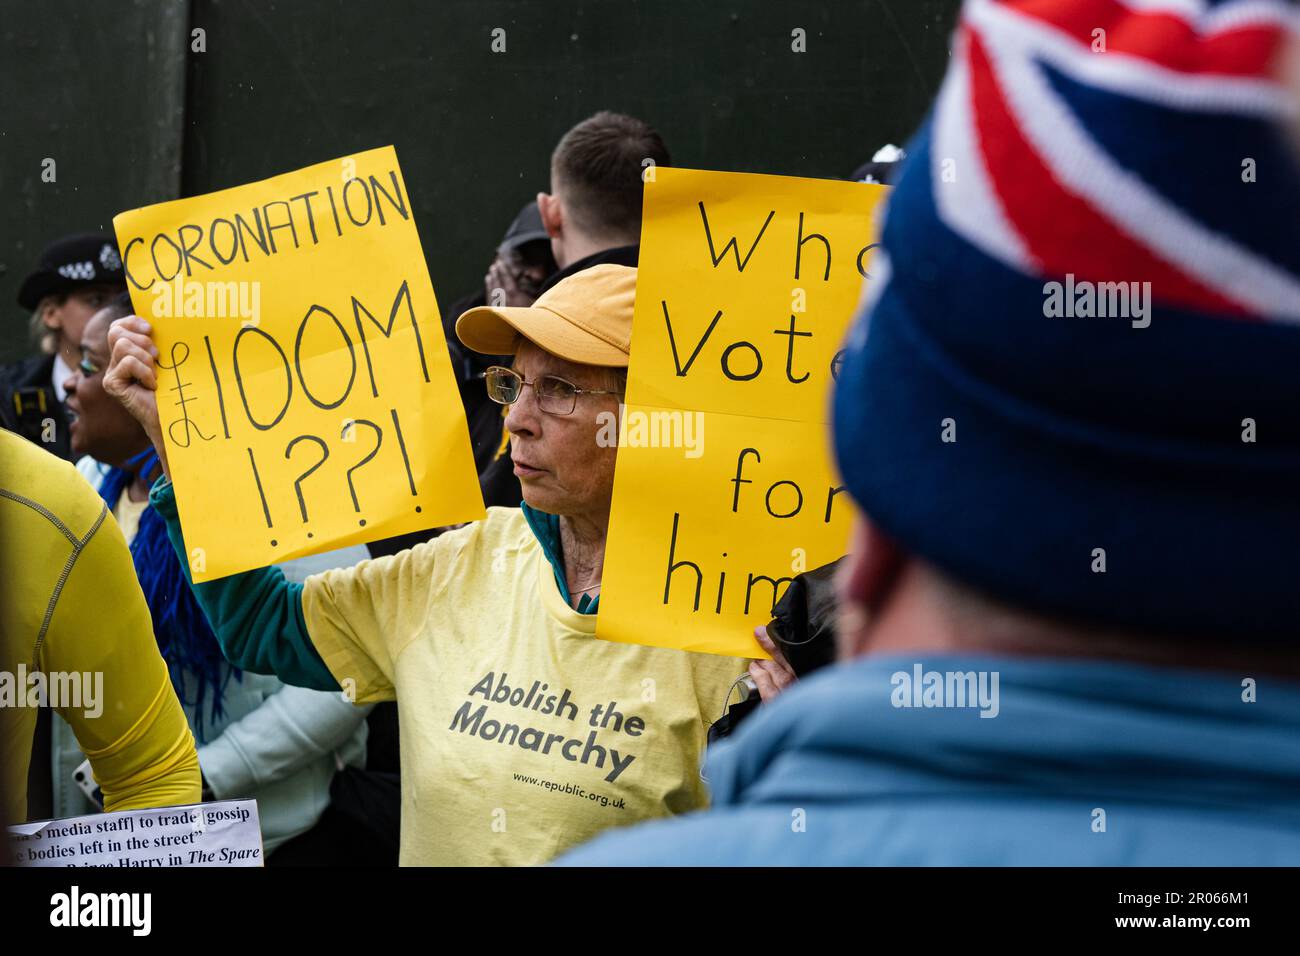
[554, 395]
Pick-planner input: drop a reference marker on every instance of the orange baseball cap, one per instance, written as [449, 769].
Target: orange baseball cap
[586, 318]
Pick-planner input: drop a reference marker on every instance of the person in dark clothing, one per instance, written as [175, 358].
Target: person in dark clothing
[76, 277]
[522, 264]
[31, 405]
[618, 256]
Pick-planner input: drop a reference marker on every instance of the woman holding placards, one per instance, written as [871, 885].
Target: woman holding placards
[521, 734]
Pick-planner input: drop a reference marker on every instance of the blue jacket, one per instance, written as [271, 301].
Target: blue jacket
[1174, 764]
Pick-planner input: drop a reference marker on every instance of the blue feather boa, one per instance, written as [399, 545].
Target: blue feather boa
[185, 638]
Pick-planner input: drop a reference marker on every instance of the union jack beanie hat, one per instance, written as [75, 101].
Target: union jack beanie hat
[1076, 382]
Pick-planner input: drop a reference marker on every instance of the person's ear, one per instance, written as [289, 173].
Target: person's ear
[49, 309]
[552, 215]
[864, 583]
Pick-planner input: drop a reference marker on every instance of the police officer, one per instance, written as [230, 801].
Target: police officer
[76, 277]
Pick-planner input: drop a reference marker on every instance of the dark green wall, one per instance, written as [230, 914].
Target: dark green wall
[115, 95]
[100, 89]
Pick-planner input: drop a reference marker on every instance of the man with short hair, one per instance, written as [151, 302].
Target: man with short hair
[593, 211]
[76, 277]
[1069, 611]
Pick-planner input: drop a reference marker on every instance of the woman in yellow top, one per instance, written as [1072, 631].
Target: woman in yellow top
[521, 734]
[75, 632]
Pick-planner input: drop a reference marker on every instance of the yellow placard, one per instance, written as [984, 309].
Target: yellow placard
[304, 389]
[725, 486]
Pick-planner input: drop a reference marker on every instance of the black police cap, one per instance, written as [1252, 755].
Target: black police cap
[72, 262]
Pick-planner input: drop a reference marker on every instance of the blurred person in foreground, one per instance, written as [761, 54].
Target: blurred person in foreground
[72, 619]
[522, 734]
[257, 738]
[1069, 616]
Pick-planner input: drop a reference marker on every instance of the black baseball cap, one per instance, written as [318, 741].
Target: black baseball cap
[526, 228]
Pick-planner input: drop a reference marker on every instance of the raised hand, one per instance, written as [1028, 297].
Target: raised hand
[774, 676]
[132, 376]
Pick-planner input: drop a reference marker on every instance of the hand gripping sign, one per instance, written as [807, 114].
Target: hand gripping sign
[725, 486]
[305, 393]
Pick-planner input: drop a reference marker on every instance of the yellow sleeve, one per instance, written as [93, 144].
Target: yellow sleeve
[128, 721]
[361, 618]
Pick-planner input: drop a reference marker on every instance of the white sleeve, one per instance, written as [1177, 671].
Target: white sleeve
[292, 728]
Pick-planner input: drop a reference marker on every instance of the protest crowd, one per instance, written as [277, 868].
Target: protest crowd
[1082, 521]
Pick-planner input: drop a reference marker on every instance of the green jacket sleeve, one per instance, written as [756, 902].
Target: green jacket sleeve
[257, 615]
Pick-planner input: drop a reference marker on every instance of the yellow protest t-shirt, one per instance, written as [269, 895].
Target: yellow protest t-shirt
[522, 735]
